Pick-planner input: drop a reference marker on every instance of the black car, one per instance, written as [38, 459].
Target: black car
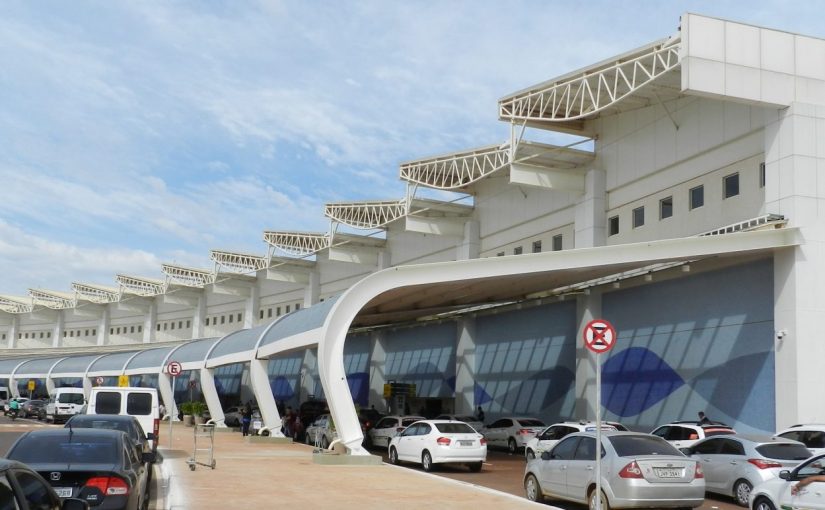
[21, 487]
[123, 423]
[97, 466]
[32, 408]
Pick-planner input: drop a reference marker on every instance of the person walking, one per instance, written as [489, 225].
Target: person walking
[246, 419]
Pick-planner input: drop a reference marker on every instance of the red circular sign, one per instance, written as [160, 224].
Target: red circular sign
[174, 369]
[599, 336]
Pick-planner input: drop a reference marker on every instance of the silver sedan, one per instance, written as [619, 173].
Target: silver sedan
[637, 471]
[734, 465]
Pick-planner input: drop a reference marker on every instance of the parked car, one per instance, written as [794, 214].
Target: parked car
[432, 442]
[775, 494]
[683, 434]
[368, 419]
[388, 426]
[32, 408]
[64, 403]
[312, 409]
[98, 466]
[20, 400]
[734, 465]
[638, 471]
[512, 433]
[141, 402]
[123, 423]
[466, 418]
[22, 487]
[811, 435]
[548, 437]
[232, 416]
[321, 432]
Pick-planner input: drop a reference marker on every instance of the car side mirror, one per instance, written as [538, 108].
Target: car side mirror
[148, 457]
[74, 504]
[150, 436]
[546, 456]
[785, 474]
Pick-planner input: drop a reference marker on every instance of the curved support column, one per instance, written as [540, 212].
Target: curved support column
[167, 393]
[87, 388]
[259, 378]
[210, 394]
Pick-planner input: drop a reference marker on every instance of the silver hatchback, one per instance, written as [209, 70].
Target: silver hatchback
[734, 465]
[638, 471]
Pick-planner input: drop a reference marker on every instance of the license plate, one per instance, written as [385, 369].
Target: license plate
[465, 443]
[256, 425]
[668, 472]
[63, 492]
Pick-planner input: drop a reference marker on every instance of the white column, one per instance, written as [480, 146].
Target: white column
[13, 330]
[470, 246]
[210, 395]
[103, 326]
[307, 382]
[199, 317]
[259, 379]
[795, 171]
[384, 259]
[591, 218]
[57, 330]
[167, 393]
[150, 321]
[87, 387]
[378, 358]
[312, 292]
[465, 366]
[588, 307]
[253, 303]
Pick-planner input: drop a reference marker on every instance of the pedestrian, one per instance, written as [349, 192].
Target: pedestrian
[480, 414]
[246, 419]
[297, 427]
[289, 419]
[704, 420]
[162, 411]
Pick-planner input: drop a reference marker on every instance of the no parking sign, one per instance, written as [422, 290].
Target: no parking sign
[599, 336]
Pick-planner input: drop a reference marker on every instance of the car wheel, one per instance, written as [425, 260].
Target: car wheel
[763, 503]
[368, 442]
[393, 456]
[512, 447]
[324, 443]
[427, 461]
[592, 501]
[475, 467]
[530, 455]
[742, 492]
[532, 489]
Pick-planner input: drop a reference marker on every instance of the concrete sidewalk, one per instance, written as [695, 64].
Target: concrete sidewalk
[263, 476]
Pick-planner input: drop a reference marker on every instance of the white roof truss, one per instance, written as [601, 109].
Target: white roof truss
[366, 215]
[453, 171]
[187, 276]
[52, 299]
[298, 244]
[587, 92]
[13, 304]
[96, 293]
[234, 262]
[141, 286]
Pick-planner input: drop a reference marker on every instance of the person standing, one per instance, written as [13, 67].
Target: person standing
[480, 414]
[246, 418]
[704, 420]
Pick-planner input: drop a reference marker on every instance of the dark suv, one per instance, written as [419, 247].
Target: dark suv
[312, 409]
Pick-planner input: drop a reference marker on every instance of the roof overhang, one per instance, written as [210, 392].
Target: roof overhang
[236, 262]
[188, 276]
[366, 215]
[96, 293]
[53, 299]
[14, 304]
[298, 244]
[141, 286]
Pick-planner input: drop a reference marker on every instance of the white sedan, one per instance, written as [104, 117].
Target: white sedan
[431, 442]
[775, 494]
[512, 433]
[387, 427]
[547, 439]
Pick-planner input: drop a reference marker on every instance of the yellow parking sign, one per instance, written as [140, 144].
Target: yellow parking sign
[32, 384]
[123, 380]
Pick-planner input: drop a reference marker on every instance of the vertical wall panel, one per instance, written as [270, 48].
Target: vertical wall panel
[424, 356]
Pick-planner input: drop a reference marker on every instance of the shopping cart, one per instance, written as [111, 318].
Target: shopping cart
[203, 451]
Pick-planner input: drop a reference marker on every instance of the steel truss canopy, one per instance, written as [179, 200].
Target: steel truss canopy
[366, 215]
[299, 244]
[96, 293]
[52, 299]
[460, 169]
[187, 276]
[635, 78]
[141, 286]
[13, 304]
[238, 262]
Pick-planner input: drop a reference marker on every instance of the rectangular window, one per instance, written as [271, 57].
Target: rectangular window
[638, 217]
[138, 404]
[231, 317]
[261, 314]
[297, 306]
[500, 254]
[71, 334]
[94, 332]
[240, 317]
[87, 333]
[279, 311]
[697, 197]
[41, 334]
[558, 242]
[613, 226]
[188, 324]
[172, 325]
[107, 402]
[269, 312]
[665, 208]
[223, 319]
[48, 334]
[536, 246]
[762, 174]
[731, 185]
[132, 329]
[112, 331]
[165, 326]
[180, 324]
[287, 308]
[158, 327]
[517, 250]
[64, 333]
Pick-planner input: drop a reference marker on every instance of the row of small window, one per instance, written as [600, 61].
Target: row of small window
[518, 250]
[171, 325]
[43, 334]
[126, 330]
[696, 199]
[288, 309]
[222, 319]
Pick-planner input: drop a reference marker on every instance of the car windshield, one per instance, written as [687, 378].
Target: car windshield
[35, 449]
[454, 428]
[631, 446]
[530, 423]
[784, 451]
[70, 398]
[99, 424]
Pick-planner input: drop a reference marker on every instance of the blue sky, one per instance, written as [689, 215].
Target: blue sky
[137, 133]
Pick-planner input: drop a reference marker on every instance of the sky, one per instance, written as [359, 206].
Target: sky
[139, 133]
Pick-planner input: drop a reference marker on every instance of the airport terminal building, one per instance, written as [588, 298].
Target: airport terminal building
[685, 210]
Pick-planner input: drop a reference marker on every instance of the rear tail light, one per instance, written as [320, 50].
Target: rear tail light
[698, 473]
[631, 471]
[443, 441]
[524, 432]
[482, 441]
[764, 464]
[109, 485]
[156, 429]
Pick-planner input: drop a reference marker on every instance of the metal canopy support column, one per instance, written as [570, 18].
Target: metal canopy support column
[588, 307]
[378, 360]
[199, 317]
[57, 330]
[312, 291]
[150, 321]
[465, 369]
[590, 226]
[210, 394]
[259, 378]
[13, 330]
[103, 326]
[253, 303]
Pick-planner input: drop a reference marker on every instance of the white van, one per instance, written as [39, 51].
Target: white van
[64, 403]
[142, 403]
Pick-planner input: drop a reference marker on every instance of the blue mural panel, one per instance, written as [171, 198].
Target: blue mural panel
[424, 356]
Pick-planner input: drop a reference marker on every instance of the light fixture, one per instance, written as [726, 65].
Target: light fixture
[686, 268]
[649, 277]
[587, 291]
[617, 284]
